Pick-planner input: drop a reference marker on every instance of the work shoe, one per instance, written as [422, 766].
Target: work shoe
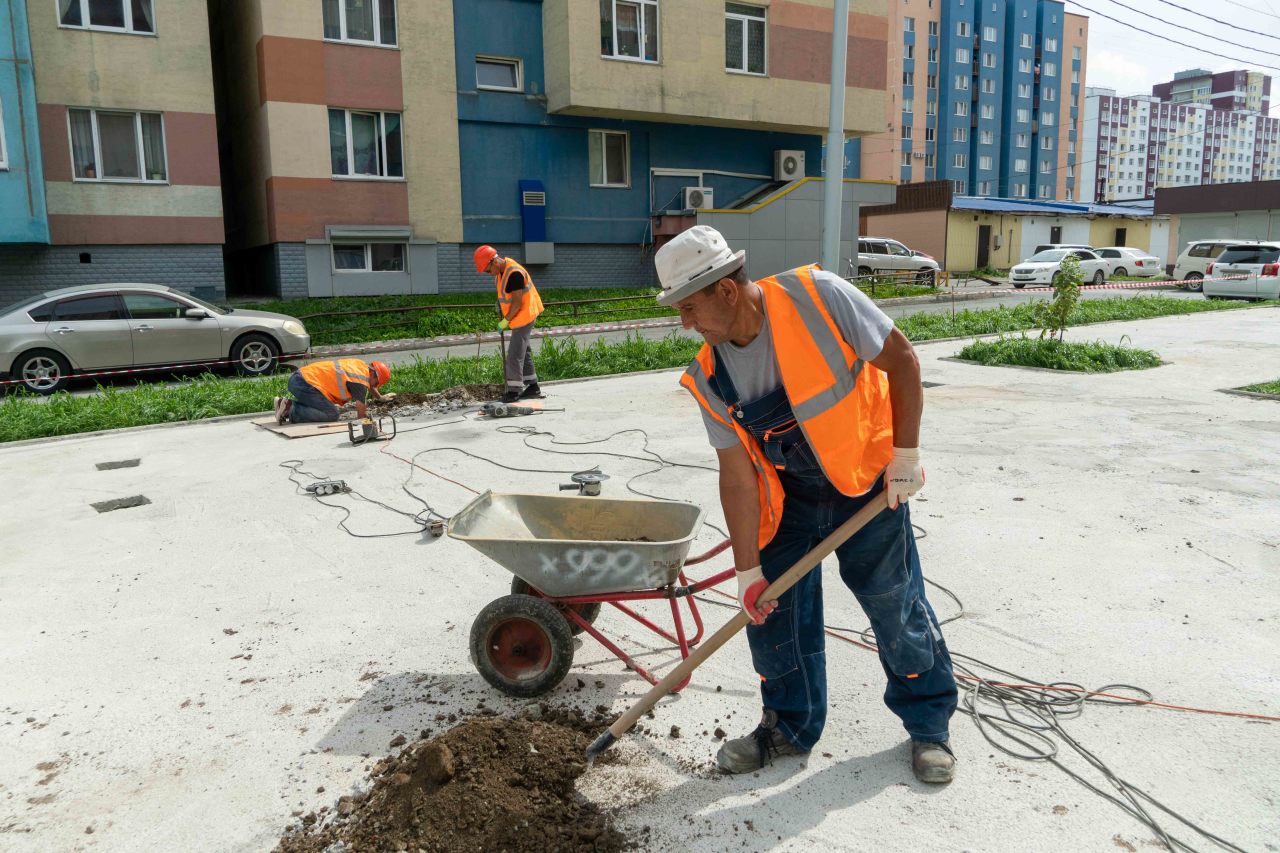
[531, 392]
[510, 396]
[934, 763]
[283, 405]
[745, 754]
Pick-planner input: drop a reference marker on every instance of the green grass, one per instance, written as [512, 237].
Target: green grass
[894, 290]
[1264, 388]
[22, 417]
[1086, 356]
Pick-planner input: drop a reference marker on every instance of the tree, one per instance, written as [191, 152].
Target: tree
[1052, 316]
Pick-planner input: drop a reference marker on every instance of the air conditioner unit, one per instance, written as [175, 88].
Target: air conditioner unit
[918, 155]
[788, 165]
[699, 198]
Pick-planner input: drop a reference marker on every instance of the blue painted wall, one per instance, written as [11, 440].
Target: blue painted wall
[508, 136]
[23, 216]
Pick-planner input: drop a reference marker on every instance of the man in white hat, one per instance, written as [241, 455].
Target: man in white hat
[812, 400]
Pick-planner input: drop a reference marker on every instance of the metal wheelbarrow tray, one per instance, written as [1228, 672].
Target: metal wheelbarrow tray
[570, 556]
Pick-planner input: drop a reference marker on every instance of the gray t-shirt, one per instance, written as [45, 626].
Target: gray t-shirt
[754, 368]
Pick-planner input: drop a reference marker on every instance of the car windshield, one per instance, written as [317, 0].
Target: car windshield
[1050, 256]
[211, 307]
[1249, 255]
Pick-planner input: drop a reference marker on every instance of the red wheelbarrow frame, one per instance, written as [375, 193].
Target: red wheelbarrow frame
[673, 594]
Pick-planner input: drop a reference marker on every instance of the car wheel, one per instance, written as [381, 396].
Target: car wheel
[41, 371]
[255, 355]
[1195, 281]
[864, 272]
[1120, 271]
[1099, 277]
[1019, 284]
[927, 277]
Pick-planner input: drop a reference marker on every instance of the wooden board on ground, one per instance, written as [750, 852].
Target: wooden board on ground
[301, 430]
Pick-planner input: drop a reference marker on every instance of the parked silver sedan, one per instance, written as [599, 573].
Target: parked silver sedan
[76, 330]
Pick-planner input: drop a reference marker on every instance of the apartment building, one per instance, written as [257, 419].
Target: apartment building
[1227, 90]
[985, 93]
[110, 126]
[370, 145]
[1135, 145]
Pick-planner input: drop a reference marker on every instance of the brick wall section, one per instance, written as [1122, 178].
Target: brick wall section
[28, 270]
[577, 265]
[289, 269]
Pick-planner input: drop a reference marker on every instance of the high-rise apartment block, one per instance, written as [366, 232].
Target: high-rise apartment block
[988, 96]
[1227, 90]
[1135, 145]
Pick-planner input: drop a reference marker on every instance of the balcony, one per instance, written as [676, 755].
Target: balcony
[689, 83]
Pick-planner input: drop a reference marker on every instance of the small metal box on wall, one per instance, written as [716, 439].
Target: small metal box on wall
[533, 223]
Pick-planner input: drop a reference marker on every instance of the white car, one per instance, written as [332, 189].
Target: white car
[1042, 267]
[1127, 261]
[1244, 271]
[878, 254]
[1196, 258]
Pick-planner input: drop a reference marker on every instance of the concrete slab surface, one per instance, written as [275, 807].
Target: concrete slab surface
[186, 674]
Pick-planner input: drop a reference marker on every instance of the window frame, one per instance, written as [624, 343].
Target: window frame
[764, 45]
[499, 60]
[127, 29]
[989, 34]
[606, 132]
[97, 147]
[381, 115]
[613, 20]
[377, 27]
[368, 256]
[4, 146]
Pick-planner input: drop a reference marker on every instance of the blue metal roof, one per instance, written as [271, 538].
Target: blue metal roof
[1042, 207]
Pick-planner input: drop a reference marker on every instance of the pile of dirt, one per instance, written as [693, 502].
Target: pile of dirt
[410, 404]
[490, 783]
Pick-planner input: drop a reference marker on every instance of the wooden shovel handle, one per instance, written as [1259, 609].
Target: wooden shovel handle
[709, 647]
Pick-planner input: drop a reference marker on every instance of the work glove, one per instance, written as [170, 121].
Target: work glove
[750, 584]
[904, 476]
[504, 325]
[390, 395]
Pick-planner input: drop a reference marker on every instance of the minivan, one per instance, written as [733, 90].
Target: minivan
[1192, 264]
[1244, 271]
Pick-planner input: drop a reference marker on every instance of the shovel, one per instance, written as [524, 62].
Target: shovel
[740, 619]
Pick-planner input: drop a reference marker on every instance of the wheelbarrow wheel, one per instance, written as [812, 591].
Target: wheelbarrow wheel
[522, 645]
[588, 612]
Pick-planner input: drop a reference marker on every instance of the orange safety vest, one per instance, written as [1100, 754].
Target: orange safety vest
[840, 401]
[330, 378]
[532, 305]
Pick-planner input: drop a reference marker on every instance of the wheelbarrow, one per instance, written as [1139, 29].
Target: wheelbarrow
[569, 557]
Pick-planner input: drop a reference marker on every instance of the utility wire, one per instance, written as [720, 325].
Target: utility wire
[1209, 18]
[1270, 14]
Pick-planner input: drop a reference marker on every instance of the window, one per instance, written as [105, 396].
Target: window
[932, 81]
[962, 108]
[908, 78]
[931, 108]
[1024, 115]
[929, 161]
[114, 146]
[1019, 190]
[960, 161]
[609, 158]
[908, 106]
[988, 60]
[1051, 45]
[933, 54]
[629, 29]
[1075, 75]
[906, 159]
[906, 131]
[933, 28]
[1020, 166]
[103, 306]
[962, 55]
[1049, 94]
[501, 75]
[1055, 233]
[125, 16]
[1024, 40]
[962, 28]
[961, 187]
[984, 162]
[986, 137]
[152, 306]
[1075, 53]
[908, 25]
[988, 33]
[988, 86]
[744, 38]
[984, 188]
[908, 51]
[962, 82]
[1046, 192]
[929, 134]
[365, 145]
[1046, 166]
[1051, 69]
[369, 257]
[1024, 65]
[1046, 143]
[363, 21]
[1024, 90]
[1046, 119]
[987, 111]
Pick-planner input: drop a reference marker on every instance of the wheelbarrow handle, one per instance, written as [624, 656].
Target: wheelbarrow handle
[709, 647]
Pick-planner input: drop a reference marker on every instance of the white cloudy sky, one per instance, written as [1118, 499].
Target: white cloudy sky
[1130, 60]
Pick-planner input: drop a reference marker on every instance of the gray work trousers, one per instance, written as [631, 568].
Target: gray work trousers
[519, 365]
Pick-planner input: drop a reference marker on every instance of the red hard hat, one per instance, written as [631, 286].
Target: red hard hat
[381, 372]
[483, 255]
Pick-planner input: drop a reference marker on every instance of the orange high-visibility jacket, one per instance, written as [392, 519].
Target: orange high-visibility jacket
[330, 378]
[532, 305]
[840, 401]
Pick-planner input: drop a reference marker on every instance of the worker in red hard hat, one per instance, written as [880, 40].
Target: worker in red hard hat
[319, 390]
[520, 305]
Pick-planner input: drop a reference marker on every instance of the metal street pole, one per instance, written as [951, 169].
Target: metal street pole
[833, 183]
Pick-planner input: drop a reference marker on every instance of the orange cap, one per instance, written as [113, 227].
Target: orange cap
[483, 255]
[381, 372]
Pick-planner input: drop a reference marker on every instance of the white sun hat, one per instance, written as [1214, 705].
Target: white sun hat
[692, 260]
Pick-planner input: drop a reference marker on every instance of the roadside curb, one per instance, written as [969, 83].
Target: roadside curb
[50, 439]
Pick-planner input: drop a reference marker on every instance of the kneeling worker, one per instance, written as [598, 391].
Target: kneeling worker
[812, 400]
[320, 388]
[520, 305]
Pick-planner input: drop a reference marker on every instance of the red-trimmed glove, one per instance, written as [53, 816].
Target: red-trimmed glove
[904, 476]
[750, 584]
